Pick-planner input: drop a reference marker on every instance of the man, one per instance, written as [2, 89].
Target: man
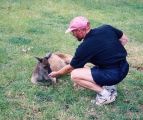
[103, 47]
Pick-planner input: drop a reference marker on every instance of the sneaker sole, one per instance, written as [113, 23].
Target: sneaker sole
[106, 101]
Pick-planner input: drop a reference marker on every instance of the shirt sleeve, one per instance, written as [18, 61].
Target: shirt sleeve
[80, 58]
[118, 32]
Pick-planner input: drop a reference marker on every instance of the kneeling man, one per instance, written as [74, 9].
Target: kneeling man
[104, 47]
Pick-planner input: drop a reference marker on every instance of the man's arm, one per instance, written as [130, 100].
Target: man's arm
[123, 39]
[64, 70]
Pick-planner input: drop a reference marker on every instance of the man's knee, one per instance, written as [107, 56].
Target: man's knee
[74, 74]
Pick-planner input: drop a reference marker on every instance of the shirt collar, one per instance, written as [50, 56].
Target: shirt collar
[88, 34]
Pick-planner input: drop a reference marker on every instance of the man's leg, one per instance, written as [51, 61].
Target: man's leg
[83, 77]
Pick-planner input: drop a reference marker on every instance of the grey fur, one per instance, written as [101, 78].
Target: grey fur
[53, 60]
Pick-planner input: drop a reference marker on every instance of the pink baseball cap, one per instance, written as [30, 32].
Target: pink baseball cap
[77, 22]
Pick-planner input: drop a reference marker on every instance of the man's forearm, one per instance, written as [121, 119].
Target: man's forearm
[65, 70]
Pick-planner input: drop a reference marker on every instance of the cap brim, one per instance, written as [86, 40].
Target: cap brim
[69, 30]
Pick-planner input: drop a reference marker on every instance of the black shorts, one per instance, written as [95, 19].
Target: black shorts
[111, 75]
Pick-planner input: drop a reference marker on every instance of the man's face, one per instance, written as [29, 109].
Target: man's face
[79, 34]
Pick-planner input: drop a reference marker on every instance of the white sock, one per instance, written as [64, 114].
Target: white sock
[104, 92]
[112, 87]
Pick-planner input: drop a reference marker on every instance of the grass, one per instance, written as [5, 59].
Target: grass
[33, 28]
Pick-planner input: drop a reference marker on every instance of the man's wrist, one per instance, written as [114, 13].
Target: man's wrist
[59, 73]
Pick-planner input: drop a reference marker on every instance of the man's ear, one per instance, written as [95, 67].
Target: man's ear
[39, 59]
[88, 26]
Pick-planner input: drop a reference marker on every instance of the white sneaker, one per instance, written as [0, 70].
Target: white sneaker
[102, 99]
[112, 89]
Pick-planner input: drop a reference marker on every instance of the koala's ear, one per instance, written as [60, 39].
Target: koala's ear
[48, 55]
[39, 59]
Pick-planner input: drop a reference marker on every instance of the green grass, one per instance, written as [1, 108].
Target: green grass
[38, 27]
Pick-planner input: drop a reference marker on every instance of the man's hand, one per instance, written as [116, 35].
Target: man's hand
[64, 70]
[54, 74]
[123, 39]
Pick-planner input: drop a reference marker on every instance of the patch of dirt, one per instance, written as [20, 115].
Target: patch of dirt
[141, 108]
[139, 68]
